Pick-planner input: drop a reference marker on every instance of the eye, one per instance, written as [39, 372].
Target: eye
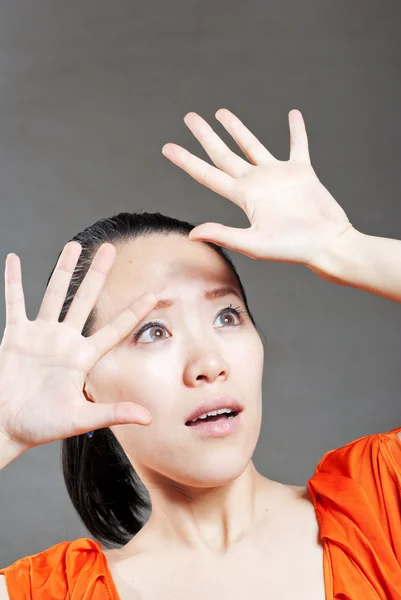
[237, 310]
[160, 328]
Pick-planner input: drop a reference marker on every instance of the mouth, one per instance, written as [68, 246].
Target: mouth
[213, 419]
[216, 425]
[219, 405]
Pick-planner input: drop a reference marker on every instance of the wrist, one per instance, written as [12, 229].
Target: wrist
[339, 260]
[10, 449]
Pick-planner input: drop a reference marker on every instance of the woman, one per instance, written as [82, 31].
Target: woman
[142, 332]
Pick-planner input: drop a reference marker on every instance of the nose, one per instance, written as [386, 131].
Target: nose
[207, 368]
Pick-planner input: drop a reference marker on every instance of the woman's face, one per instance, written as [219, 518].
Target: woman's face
[194, 355]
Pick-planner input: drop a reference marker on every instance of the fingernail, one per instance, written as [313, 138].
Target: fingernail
[144, 418]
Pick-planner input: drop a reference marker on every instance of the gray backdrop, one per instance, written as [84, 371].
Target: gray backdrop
[90, 92]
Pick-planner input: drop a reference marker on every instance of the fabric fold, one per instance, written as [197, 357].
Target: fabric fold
[356, 490]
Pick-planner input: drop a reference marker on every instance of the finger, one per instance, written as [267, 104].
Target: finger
[219, 152]
[201, 171]
[97, 416]
[56, 290]
[108, 336]
[299, 149]
[231, 238]
[249, 144]
[89, 290]
[14, 293]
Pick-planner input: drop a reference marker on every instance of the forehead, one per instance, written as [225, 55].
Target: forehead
[167, 264]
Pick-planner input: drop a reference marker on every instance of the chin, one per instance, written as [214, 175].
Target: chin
[214, 469]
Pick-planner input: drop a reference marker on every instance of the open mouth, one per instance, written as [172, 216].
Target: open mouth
[222, 417]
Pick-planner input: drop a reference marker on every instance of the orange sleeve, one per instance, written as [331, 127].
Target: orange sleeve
[357, 494]
[73, 570]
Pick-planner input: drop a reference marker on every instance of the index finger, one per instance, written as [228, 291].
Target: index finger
[211, 177]
[108, 336]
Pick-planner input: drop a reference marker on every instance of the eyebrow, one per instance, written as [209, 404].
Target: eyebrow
[208, 295]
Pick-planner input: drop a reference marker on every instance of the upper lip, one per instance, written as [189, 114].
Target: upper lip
[215, 404]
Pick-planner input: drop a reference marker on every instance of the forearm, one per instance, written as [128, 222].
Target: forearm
[363, 261]
[9, 450]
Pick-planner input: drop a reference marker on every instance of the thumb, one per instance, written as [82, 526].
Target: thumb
[230, 237]
[99, 416]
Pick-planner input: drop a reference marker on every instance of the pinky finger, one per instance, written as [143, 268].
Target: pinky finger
[14, 293]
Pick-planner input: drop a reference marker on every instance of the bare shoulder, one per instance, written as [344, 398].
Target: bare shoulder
[297, 510]
[303, 496]
[290, 512]
[298, 490]
[298, 530]
[399, 435]
[3, 588]
[298, 493]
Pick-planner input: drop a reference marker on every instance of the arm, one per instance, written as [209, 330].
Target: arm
[3, 589]
[363, 261]
[366, 262]
[9, 450]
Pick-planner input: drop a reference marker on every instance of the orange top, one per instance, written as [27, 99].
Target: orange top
[356, 490]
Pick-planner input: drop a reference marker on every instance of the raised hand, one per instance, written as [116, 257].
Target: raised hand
[44, 363]
[293, 217]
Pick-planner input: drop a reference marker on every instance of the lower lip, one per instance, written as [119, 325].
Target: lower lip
[217, 428]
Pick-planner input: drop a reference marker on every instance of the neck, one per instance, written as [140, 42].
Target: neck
[209, 519]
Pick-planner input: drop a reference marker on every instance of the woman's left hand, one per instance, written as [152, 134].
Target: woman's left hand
[293, 216]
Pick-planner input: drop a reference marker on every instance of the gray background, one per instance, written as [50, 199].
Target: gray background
[90, 92]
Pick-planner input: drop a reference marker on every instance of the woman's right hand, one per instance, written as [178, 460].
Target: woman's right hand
[44, 363]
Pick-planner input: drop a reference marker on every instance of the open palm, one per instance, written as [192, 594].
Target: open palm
[293, 216]
[44, 363]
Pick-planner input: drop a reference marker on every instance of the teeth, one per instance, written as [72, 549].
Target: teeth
[213, 413]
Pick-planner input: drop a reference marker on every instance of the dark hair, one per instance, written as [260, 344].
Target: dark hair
[107, 493]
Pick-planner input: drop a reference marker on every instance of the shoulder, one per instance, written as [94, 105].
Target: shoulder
[360, 481]
[361, 455]
[76, 550]
[54, 571]
[356, 493]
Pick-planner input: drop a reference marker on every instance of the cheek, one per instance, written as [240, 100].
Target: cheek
[248, 358]
[155, 379]
[143, 379]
